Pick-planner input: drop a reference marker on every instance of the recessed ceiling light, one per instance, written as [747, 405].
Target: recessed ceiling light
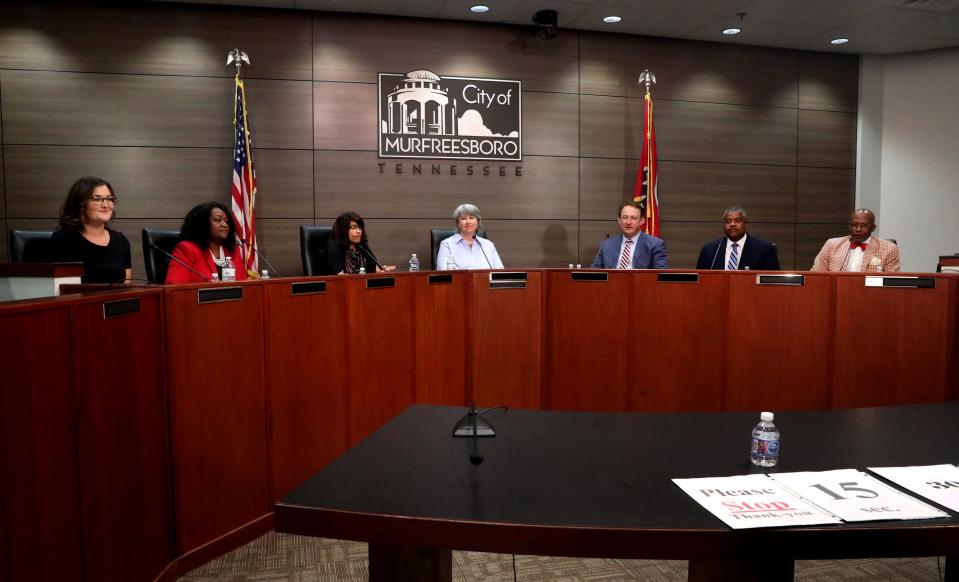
[612, 19]
[731, 31]
[479, 8]
[839, 41]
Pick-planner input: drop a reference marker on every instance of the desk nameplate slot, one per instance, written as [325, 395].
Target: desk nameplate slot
[121, 307]
[507, 284]
[788, 280]
[381, 283]
[901, 282]
[308, 287]
[219, 294]
[507, 280]
[439, 279]
[678, 277]
[590, 276]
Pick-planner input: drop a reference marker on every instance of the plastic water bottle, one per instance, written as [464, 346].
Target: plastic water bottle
[450, 264]
[229, 271]
[414, 263]
[362, 271]
[765, 448]
[265, 274]
[214, 277]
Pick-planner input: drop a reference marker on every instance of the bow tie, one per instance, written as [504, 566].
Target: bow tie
[853, 245]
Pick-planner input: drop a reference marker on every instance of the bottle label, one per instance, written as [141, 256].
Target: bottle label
[764, 447]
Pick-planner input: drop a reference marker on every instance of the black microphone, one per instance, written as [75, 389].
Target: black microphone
[713, 262]
[366, 250]
[490, 265]
[476, 457]
[188, 267]
[255, 250]
[845, 257]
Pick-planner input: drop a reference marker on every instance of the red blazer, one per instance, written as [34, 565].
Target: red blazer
[201, 261]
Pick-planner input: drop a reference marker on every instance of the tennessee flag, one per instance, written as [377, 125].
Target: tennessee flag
[243, 191]
[647, 177]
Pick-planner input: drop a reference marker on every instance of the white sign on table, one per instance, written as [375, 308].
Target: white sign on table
[939, 483]
[853, 495]
[750, 501]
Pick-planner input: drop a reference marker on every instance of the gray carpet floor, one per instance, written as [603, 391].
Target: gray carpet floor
[280, 558]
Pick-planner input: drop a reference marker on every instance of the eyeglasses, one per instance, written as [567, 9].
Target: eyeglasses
[100, 200]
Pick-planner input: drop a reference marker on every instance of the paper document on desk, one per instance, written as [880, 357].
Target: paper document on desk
[751, 501]
[852, 495]
[940, 483]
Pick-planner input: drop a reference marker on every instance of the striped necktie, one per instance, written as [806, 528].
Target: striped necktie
[627, 255]
[733, 263]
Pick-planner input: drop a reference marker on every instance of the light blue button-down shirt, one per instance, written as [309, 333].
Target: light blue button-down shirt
[466, 256]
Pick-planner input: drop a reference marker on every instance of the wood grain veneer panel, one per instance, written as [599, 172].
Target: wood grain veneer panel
[380, 360]
[41, 529]
[3, 185]
[582, 316]
[547, 188]
[828, 82]
[811, 237]
[155, 182]
[827, 139]
[912, 343]
[4, 237]
[550, 124]
[344, 116]
[686, 372]
[825, 195]
[611, 127]
[691, 190]
[124, 454]
[135, 110]
[781, 341]
[279, 241]
[306, 381]
[441, 339]
[506, 343]
[218, 414]
[155, 39]
[688, 71]
[355, 48]
[533, 243]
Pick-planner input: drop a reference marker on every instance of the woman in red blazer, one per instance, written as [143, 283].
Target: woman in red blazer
[207, 238]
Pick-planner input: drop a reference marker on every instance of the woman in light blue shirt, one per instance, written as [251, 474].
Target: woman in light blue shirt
[466, 250]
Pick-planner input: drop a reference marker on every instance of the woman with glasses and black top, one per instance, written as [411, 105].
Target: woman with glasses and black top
[207, 240]
[348, 251]
[83, 236]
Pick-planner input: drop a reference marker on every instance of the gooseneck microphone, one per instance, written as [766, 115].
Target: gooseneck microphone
[476, 457]
[490, 265]
[366, 250]
[259, 254]
[716, 254]
[186, 266]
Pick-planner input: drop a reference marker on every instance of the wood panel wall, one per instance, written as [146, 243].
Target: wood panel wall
[140, 96]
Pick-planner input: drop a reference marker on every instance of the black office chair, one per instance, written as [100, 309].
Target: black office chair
[438, 235]
[31, 246]
[156, 264]
[313, 241]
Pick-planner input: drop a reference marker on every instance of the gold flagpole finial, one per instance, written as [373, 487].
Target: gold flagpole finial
[239, 57]
[647, 78]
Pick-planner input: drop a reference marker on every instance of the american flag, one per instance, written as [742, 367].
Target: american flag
[244, 180]
[647, 178]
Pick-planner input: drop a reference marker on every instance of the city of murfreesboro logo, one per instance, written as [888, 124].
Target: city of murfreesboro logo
[423, 115]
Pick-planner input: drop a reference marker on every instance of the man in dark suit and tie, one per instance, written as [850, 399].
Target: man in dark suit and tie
[737, 250]
[633, 249]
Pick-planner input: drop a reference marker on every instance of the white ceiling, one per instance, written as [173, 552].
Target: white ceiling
[872, 26]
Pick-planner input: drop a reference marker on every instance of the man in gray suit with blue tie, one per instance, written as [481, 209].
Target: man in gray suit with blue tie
[633, 249]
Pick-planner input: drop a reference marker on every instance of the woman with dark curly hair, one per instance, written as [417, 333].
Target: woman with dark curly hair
[83, 236]
[348, 251]
[207, 240]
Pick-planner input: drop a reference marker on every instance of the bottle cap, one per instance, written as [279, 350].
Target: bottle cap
[766, 417]
[264, 272]
[414, 254]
